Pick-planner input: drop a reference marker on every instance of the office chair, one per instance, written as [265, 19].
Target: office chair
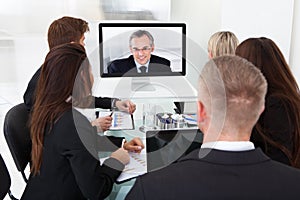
[5, 181]
[17, 136]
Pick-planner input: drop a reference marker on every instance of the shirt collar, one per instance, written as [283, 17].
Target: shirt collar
[229, 146]
[138, 65]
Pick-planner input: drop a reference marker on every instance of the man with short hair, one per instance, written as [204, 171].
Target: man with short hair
[141, 45]
[231, 98]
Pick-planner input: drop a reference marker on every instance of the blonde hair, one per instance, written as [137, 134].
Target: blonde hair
[222, 43]
[232, 87]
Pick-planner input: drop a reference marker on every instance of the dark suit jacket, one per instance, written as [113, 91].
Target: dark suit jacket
[29, 95]
[127, 65]
[70, 167]
[277, 125]
[220, 175]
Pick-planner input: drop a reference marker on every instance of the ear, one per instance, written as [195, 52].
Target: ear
[201, 112]
[130, 48]
[152, 48]
[210, 56]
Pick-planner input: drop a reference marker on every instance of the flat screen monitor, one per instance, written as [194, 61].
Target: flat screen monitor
[125, 47]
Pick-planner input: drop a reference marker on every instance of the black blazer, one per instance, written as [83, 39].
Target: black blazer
[70, 167]
[127, 65]
[276, 124]
[220, 175]
[29, 95]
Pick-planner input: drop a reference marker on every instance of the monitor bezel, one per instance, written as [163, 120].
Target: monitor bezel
[143, 24]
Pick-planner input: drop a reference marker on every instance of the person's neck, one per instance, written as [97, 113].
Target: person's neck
[229, 137]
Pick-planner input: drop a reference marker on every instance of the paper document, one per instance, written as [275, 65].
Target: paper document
[136, 166]
[121, 120]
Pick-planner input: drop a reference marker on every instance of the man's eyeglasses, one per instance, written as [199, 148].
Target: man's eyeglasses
[134, 49]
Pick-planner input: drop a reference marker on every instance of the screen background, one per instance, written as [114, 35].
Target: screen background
[169, 42]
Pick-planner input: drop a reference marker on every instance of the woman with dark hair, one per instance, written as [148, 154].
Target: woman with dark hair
[65, 162]
[277, 131]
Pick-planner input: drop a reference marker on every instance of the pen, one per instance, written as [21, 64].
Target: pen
[123, 142]
[111, 114]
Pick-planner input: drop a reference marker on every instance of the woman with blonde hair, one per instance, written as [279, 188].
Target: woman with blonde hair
[222, 43]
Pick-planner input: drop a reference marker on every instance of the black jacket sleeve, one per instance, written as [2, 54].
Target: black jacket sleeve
[103, 102]
[94, 180]
[29, 95]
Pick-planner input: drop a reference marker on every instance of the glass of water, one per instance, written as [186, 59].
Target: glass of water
[149, 116]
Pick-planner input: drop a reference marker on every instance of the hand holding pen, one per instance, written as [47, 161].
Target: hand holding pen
[136, 145]
[102, 123]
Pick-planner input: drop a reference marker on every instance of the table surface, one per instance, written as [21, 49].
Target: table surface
[166, 105]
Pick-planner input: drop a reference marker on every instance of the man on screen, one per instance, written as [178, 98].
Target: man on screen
[141, 45]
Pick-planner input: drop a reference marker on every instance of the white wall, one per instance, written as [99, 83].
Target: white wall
[257, 18]
[202, 18]
[295, 42]
[278, 20]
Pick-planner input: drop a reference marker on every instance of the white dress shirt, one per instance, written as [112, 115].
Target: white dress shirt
[138, 65]
[229, 146]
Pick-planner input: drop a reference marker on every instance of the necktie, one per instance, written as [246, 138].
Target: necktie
[143, 69]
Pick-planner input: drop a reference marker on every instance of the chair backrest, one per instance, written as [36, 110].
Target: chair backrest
[5, 181]
[17, 136]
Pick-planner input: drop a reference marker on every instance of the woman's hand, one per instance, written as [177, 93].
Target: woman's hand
[102, 123]
[126, 105]
[121, 155]
[135, 145]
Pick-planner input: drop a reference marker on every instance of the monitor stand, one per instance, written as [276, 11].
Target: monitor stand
[141, 84]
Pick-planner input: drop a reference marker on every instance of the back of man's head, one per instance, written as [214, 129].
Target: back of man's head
[233, 92]
[65, 30]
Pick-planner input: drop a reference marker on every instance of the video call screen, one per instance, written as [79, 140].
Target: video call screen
[120, 56]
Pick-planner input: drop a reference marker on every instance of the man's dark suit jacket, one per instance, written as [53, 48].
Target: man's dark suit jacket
[29, 95]
[70, 167]
[127, 65]
[220, 175]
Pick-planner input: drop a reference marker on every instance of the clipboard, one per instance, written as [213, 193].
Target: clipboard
[121, 120]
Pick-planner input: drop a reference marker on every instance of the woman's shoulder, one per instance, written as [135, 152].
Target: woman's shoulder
[71, 116]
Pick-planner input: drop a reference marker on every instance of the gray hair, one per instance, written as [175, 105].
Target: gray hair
[140, 33]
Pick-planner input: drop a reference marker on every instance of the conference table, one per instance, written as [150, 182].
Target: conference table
[162, 145]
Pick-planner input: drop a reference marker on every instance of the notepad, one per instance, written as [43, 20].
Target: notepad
[121, 120]
[137, 166]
